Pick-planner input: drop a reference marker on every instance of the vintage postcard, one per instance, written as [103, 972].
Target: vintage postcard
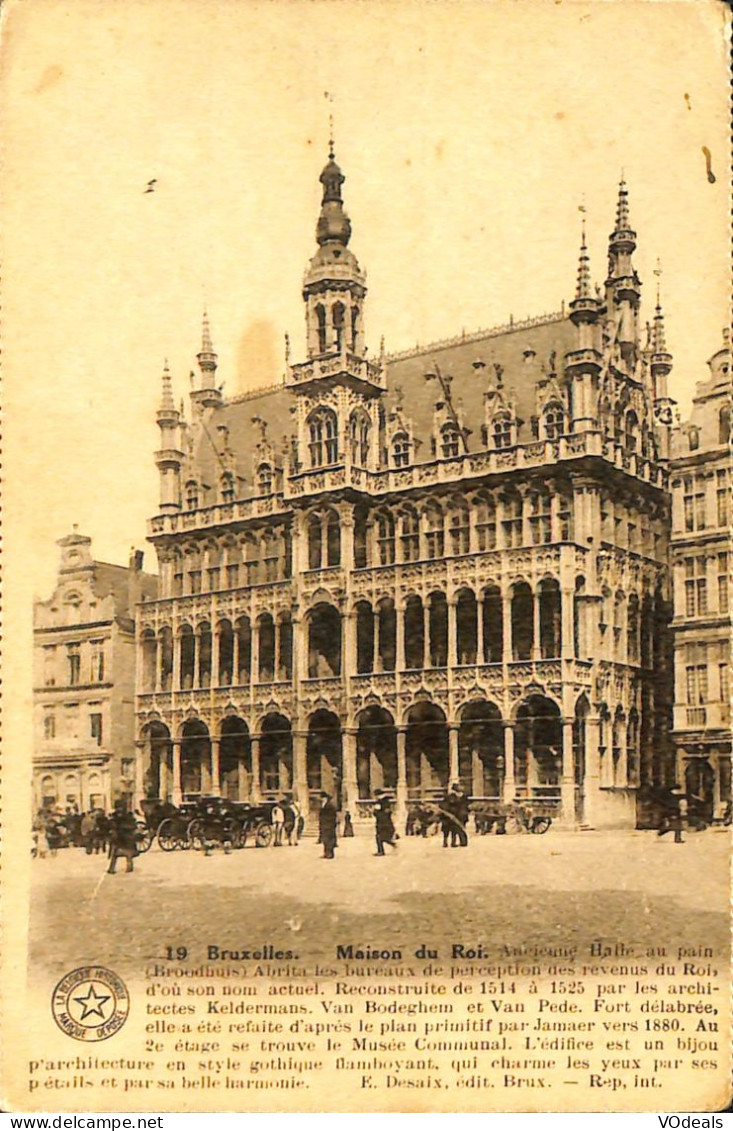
[366, 713]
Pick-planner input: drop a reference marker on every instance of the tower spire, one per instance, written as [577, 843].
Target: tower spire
[167, 404]
[207, 358]
[583, 288]
[623, 286]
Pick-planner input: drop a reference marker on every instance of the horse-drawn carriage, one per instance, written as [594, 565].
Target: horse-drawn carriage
[520, 816]
[204, 824]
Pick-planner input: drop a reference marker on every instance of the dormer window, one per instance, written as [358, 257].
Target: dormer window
[227, 488]
[192, 495]
[693, 437]
[554, 421]
[401, 449]
[449, 440]
[502, 431]
[264, 479]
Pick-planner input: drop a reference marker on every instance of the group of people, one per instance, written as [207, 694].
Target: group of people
[288, 821]
[453, 812]
[93, 830]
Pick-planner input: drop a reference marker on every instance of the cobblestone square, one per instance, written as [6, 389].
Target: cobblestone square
[560, 889]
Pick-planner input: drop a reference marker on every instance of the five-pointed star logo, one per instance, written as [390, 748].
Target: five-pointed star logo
[92, 1003]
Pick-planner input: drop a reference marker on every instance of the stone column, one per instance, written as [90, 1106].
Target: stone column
[510, 787]
[255, 653]
[141, 746]
[453, 752]
[176, 793]
[349, 666]
[480, 629]
[376, 662]
[255, 748]
[452, 633]
[567, 786]
[401, 806]
[158, 663]
[300, 770]
[176, 673]
[215, 641]
[426, 634]
[215, 779]
[567, 621]
[351, 791]
[506, 627]
[235, 655]
[591, 780]
[400, 637]
[536, 651]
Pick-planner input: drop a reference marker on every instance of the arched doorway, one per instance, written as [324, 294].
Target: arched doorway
[158, 773]
[235, 760]
[538, 748]
[376, 752]
[481, 750]
[195, 759]
[276, 756]
[324, 757]
[428, 764]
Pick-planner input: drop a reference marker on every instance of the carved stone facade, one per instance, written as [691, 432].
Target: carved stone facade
[446, 564]
[701, 519]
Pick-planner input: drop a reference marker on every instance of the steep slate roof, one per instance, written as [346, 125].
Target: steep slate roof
[504, 346]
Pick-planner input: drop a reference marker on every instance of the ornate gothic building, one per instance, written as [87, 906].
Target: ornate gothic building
[701, 517]
[395, 571]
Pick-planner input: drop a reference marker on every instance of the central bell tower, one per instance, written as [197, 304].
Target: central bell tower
[334, 287]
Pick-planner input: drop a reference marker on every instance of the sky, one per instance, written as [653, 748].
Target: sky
[470, 135]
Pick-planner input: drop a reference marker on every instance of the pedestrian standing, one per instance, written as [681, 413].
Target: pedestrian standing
[385, 830]
[460, 811]
[122, 837]
[278, 823]
[327, 822]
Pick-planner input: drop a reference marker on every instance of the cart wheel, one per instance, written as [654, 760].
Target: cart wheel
[196, 835]
[168, 835]
[143, 838]
[263, 836]
[541, 824]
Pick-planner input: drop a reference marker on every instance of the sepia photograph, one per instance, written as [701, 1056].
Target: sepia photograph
[367, 494]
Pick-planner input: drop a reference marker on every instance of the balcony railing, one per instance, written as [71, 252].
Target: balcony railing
[337, 365]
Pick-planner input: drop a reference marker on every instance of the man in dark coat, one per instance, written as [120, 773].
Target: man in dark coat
[122, 837]
[327, 821]
[460, 810]
[385, 830]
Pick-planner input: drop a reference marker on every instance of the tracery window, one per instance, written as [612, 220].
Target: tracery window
[264, 479]
[323, 431]
[554, 420]
[410, 535]
[227, 487]
[385, 538]
[449, 440]
[502, 430]
[401, 449]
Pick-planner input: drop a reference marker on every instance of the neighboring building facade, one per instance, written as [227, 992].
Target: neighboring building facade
[701, 518]
[84, 680]
[369, 580]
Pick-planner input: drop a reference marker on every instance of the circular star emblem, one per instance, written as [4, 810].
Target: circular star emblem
[90, 1003]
